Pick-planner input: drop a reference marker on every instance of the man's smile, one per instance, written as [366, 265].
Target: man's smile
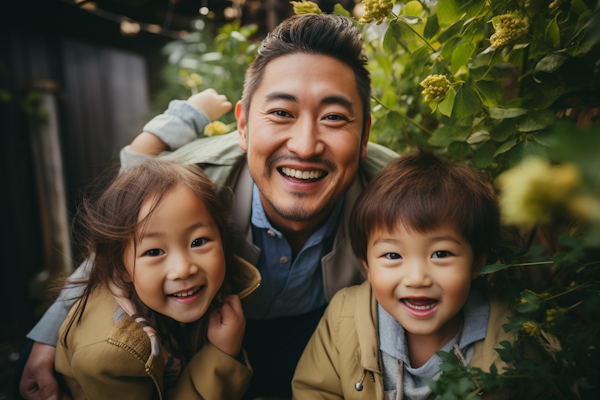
[299, 175]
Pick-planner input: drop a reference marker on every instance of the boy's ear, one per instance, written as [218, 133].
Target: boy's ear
[480, 262]
[242, 126]
[367, 269]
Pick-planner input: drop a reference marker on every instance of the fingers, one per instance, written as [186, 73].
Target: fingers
[38, 380]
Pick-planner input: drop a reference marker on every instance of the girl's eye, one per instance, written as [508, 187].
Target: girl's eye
[281, 113]
[441, 254]
[392, 256]
[154, 253]
[199, 242]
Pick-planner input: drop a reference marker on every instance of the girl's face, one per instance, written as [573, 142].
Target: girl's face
[179, 261]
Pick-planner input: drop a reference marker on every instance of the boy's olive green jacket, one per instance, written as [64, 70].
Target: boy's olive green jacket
[344, 349]
[108, 360]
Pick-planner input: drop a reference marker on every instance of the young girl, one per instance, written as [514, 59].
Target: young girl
[158, 317]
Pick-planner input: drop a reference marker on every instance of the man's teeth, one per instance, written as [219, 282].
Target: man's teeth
[296, 173]
[427, 307]
[191, 292]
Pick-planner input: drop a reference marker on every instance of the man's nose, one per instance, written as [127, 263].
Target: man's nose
[417, 275]
[305, 140]
[181, 267]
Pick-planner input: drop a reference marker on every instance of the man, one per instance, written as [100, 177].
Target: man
[296, 165]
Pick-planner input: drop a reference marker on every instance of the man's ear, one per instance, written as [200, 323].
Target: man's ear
[240, 115]
[367, 269]
[480, 262]
[365, 139]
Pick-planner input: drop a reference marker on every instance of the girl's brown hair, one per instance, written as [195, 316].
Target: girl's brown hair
[111, 222]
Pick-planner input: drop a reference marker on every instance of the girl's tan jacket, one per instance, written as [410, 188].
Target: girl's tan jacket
[344, 350]
[108, 360]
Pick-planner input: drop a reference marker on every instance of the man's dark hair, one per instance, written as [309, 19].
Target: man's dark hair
[424, 192]
[326, 34]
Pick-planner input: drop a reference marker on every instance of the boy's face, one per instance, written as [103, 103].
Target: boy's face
[421, 279]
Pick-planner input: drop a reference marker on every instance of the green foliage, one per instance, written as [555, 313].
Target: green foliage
[504, 106]
[220, 62]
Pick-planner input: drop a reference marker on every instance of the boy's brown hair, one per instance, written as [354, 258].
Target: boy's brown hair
[424, 192]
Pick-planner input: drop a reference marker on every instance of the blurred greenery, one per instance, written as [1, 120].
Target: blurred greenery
[525, 115]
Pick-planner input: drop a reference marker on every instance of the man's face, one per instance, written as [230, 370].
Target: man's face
[303, 136]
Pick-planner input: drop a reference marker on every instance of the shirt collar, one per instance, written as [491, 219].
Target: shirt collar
[476, 313]
[259, 219]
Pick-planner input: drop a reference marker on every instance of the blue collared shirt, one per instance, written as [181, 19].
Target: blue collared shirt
[289, 287]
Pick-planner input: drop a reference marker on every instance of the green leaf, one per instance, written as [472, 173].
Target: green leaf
[535, 120]
[552, 35]
[548, 65]
[461, 55]
[483, 73]
[483, 156]
[419, 58]
[458, 150]
[492, 93]
[448, 357]
[506, 147]
[338, 9]
[466, 103]
[389, 99]
[525, 149]
[390, 40]
[413, 8]
[488, 269]
[445, 135]
[451, 10]
[503, 130]
[431, 27]
[447, 104]
[500, 113]
[447, 50]
[452, 31]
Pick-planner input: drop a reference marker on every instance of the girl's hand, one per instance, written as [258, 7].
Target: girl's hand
[226, 326]
[211, 102]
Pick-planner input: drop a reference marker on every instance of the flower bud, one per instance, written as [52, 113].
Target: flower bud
[376, 10]
[532, 328]
[508, 28]
[436, 87]
[305, 7]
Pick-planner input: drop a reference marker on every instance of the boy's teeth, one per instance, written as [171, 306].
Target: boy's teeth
[191, 292]
[296, 173]
[425, 304]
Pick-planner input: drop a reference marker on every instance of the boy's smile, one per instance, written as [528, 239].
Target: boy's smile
[421, 279]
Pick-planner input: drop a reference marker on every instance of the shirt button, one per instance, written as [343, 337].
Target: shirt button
[283, 259]
[271, 233]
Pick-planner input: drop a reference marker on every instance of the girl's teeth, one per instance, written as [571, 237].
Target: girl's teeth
[427, 307]
[191, 292]
[296, 173]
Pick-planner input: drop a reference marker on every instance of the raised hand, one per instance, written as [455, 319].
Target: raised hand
[226, 326]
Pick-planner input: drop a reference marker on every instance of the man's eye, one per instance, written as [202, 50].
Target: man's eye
[199, 242]
[441, 254]
[281, 113]
[392, 256]
[154, 252]
[335, 117]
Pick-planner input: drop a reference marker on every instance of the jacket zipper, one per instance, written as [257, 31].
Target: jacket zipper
[136, 355]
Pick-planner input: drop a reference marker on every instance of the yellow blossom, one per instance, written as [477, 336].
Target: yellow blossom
[183, 73]
[535, 191]
[436, 87]
[554, 313]
[216, 128]
[376, 10]
[189, 83]
[508, 27]
[532, 328]
[196, 78]
[305, 7]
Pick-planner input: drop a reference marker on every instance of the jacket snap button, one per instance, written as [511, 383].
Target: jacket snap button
[358, 386]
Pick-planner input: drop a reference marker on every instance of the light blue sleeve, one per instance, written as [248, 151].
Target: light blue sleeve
[46, 330]
[180, 124]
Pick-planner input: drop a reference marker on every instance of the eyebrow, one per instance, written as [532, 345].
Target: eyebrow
[445, 237]
[385, 240]
[196, 225]
[341, 100]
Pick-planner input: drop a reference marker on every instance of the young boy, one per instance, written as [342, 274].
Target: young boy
[421, 227]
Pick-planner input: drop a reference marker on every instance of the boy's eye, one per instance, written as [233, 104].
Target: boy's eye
[441, 254]
[199, 242]
[154, 252]
[392, 256]
[281, 113]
